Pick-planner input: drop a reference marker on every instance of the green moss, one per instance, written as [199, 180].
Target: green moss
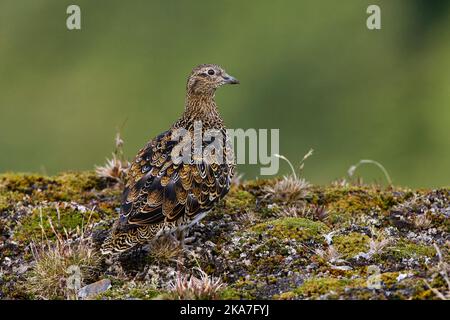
[37, 191]
[67, 218]
[13, 288]
[319, 286]
[139, 291]
[256, 187]
[267, 265]
[66, 186]
[4, 203]
[339, 218]
[409, 288]
[351, 244]
[75, 186]
[229, 294]
[289, 295]
[356, 199]
[239, 200]
[389, 279]
[144, 294]
[293, 228]
[407, 250]
[243, 289]
[78, 182]
[23, 182]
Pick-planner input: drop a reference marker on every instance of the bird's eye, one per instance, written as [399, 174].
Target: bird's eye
[211, 72]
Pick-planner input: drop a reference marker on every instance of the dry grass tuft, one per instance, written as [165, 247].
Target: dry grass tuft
[291, 187]
[164, 249]
[330, 255]
[378, 242]
[114, 169]
[190, 287]
[117, 167]
[247, 218]
[292, 212]
[422, 221]
[319, 212]
[341, 183]
[315, 212]
[62, 266]
[237, 179]
[377, 246]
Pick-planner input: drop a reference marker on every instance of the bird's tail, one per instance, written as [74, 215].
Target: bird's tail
[118, 242]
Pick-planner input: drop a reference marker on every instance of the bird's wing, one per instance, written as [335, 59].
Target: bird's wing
[160, 190]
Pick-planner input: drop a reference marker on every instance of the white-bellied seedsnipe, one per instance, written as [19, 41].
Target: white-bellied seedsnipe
[164, 194]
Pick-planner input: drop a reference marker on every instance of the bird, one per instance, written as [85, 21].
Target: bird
[167, 192]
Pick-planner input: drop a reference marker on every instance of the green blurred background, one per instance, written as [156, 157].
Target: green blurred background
[310, 68]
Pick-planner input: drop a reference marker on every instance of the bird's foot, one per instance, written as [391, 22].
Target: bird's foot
[189, 240]
[186, 243]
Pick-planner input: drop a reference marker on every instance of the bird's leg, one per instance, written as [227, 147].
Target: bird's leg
[174, 236]
[182, 236]
[183, 240]
[184, 231]
[189, 240]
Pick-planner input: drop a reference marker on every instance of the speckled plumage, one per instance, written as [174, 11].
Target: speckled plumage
[162, 195]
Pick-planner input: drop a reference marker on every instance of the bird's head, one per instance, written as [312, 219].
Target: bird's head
[206, 78]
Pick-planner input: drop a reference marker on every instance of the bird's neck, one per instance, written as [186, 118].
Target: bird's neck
[201, 107]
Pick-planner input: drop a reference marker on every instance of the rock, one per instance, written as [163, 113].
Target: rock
[21, 269]
[7, 261]
[402, 276]
[343, 268]
[94, 288]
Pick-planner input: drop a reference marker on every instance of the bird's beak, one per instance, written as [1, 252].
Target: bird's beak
[229, 79]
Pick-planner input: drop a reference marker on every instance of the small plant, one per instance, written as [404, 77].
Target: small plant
[117, 167]
[237, 179]
[315, 212]
[377, 246]
[319, 212]
[247, 218]
[330, 255]
[422, 221]
[342, 183]
[189, 287]
[292, 212]
[164, 249]
[352, 169]
[62, 266]
[290, 188]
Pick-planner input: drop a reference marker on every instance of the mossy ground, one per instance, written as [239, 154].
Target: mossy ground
[246, 240]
